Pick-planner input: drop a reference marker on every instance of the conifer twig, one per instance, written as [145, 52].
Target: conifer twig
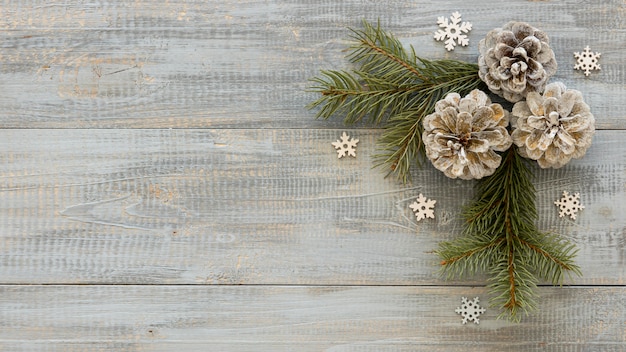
[500, 238]
[395, 88]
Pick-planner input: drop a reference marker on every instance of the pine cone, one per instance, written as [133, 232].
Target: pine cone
[554, 127]
[515, 60]
[462, 135]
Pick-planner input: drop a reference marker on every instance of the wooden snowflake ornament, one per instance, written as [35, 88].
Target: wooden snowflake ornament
[453, 31]
[569, 204]
[423, 207]
[345, 146]
[587, 61]
[470, 310]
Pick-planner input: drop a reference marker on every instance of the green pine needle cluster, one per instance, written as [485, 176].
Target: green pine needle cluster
[501, 239]
[393, 87]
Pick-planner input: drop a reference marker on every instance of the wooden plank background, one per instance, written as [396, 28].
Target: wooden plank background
[163, 187]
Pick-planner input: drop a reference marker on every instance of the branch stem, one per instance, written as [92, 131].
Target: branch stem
[392, 57]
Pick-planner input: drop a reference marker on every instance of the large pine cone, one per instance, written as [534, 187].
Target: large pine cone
[554, 127]
[462, 135]
[515, 60]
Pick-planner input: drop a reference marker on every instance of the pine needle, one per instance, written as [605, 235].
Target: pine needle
[392, 87]
[501, 239]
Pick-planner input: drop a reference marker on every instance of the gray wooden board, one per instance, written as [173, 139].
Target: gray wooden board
[159, 64]
[277, 318]
[216, 202]
[259, 207]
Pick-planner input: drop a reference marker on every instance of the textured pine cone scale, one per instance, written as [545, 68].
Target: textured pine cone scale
[463, 134]
[516, 60]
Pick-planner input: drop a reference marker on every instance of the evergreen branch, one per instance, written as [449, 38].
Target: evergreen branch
[513, 286]
[358, 94]
[504, 214]
[401, 144]
[552, 257]
[468, 255]
[376, 52]
[394, 87]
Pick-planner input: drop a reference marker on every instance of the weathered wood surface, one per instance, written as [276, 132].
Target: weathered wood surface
[213, 198]
[220, 63]
[276, 318]
[259, 207]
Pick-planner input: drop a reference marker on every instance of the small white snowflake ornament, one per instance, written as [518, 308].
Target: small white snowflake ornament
[423, 207]
[587, 61]
[345, 146]
[452, 31]
[470, 310]
[569, 204]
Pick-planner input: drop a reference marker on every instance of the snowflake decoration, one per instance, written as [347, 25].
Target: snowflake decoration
[345, 146]
[423, 208]
[569, 204]
[470, 310]
[587, 61]
[453, 31]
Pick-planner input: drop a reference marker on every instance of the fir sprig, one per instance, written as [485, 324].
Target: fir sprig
[393, 87]
[501, 239]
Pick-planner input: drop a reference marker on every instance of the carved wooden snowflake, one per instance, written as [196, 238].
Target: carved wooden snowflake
[569, 204]
[423, 208]
[470, 310]
[345, 146]
[453, 30]
[587, 61]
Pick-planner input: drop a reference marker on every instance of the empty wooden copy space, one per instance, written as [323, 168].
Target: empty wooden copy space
[164, 188]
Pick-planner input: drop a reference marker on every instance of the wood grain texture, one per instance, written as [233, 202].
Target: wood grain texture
[224, 64]
[259, 207]
[162, 186]
[247, 318]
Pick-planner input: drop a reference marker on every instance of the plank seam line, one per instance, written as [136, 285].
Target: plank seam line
[252, 128]
[296, 286]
